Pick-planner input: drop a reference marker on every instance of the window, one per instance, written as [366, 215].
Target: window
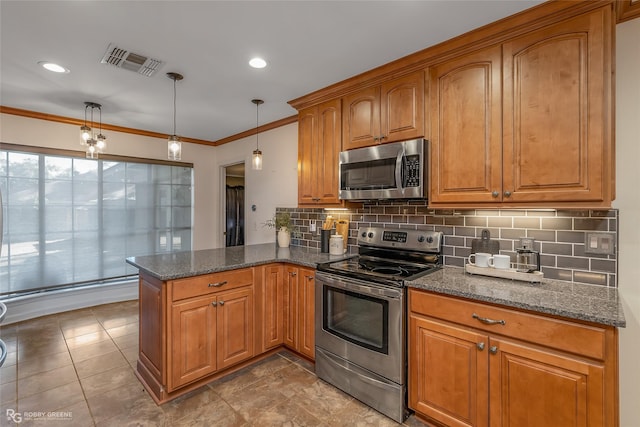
[70, 220]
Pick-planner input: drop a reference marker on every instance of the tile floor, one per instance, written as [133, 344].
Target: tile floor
[80, 366]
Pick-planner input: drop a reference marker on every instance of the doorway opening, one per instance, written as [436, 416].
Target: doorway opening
[234, 204]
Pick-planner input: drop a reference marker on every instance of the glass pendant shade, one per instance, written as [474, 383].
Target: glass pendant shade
[174, 148]
[92, 149]
[101, 143]
[256, 161]
[85, 134]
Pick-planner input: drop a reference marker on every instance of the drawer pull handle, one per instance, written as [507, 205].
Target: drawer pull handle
[487, 321]
[480, 346]
[217, 285]
[493, 349]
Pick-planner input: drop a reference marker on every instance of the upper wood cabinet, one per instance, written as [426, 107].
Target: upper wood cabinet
[527, 122]
[319, 145]
[393, 111]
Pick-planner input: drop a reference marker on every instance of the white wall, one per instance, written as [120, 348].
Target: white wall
[275, 185]
[628, 201]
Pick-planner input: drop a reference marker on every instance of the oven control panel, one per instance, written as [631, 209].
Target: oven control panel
[426, 241]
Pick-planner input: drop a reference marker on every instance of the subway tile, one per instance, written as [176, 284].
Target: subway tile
[475, 221]
[557, 248]
[454, 220]
[465, 231]
[399, 219]
[500, 221]
[487, 212]
[512, 212]
[543, 235]
[590, 278]
[512, 233]
[444, 229]
[591, 224]
[465, 212]
[416, 219]
[454, 261]
[558, 274]
[611, 213]
[557, 223]
[547, 260]
[574, 263]
[573, 213]
[454, 241]
[392, 210]
[526, 222]
[541, 213]
[506, 245]
[606, 265]
[570, 236]
[461, 251]
[437, 220]
[383, 218]
[408, 210]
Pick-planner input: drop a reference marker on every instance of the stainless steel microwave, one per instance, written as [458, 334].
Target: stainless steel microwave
[396, 170]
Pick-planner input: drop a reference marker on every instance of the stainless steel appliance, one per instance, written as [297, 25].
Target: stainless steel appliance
[361, 315]
[396, 170]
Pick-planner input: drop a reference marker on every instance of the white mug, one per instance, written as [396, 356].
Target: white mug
[480, 259]
[501, 262]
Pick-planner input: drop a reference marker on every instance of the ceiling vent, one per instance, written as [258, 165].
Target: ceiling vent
[128, 60]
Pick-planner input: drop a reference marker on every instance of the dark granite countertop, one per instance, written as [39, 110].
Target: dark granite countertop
[591, 303]
[194, 263]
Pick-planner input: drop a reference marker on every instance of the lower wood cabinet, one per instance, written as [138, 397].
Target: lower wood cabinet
[210, 333]
[472, 364]
[196, 328]
[299, 327]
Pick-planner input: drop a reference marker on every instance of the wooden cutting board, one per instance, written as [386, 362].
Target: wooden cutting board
[485, 244]
[342, 227]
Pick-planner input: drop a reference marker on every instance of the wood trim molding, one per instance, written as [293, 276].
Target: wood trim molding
[497, 32]
[79, 122]
[81, 154]
[627, 10]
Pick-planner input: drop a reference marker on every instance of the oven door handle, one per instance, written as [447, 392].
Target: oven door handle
[355, 286]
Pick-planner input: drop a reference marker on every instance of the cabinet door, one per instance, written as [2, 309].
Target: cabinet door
[448, 373]
[327, 153]
[307, 134]
[557, 88]
[290, 306]
[533, 387]
[235, 326]
[273, 306]
[466, 128]
[192, 340]
[402, 108]
[306, 313]
[361, 118]
[319, 145]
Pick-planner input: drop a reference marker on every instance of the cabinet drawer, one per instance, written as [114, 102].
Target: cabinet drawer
[563, 335]
[210, 283]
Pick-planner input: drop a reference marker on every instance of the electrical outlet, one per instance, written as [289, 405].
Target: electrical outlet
[600, 243]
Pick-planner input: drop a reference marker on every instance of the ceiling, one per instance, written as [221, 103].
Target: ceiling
[308, 45]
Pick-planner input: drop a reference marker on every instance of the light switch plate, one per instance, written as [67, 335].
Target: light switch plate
[600, 243]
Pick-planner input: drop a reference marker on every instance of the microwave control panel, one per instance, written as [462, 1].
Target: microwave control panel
[411, 176]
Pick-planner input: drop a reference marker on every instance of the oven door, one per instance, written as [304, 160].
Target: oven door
[362, 323]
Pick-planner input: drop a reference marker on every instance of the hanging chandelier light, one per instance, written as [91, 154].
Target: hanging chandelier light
[174, 146]
[256, 161]
[95, 142]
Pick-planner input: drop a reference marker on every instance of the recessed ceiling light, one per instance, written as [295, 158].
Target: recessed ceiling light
[258, 62]
[53, 67]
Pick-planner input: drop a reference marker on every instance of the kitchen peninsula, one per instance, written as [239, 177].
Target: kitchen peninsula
[206, 313]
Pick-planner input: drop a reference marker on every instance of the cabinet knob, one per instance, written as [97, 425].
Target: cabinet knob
[309, 277]
[221, 302]
[493, 349]
[375, 138]
[293, 274]
[214, 303]
[480, 346]
[382, 137]
[495, 194]
[507, 194]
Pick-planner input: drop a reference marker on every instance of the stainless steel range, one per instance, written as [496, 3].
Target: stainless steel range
[361, 315]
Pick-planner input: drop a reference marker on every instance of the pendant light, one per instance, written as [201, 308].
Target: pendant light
[95, 143]
[174, 146]
[256, 161]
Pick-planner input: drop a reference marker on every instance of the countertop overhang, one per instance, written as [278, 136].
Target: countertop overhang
[178, 265]
[591, 303]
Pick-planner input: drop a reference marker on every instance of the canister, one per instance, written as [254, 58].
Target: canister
[336, 245]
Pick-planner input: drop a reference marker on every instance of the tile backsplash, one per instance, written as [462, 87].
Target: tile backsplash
[559, 235]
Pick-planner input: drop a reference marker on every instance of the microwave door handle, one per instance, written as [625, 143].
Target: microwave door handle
[399, 169]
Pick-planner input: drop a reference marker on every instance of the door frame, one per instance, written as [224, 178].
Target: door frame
[222, 223]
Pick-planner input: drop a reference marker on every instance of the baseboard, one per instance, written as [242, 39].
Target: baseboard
[57, 301]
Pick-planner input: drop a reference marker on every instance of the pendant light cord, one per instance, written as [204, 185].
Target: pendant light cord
[174, 106]
[257, 106]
